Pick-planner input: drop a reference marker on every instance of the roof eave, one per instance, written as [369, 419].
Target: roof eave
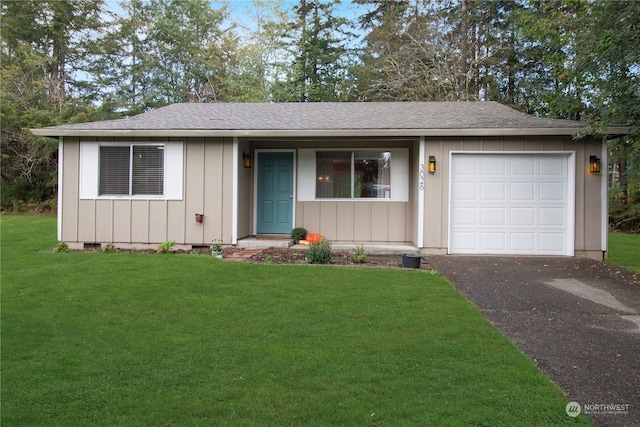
[318, 133]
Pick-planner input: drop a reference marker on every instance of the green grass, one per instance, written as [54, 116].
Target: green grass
[106, 339]
[623, 250]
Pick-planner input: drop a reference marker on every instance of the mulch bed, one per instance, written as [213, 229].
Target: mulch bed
[339, 258]
[293, 256]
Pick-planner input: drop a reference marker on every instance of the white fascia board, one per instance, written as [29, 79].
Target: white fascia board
[421, 171]
[288, 133]
[234, 195]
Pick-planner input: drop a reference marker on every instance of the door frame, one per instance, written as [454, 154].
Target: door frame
[294, 168]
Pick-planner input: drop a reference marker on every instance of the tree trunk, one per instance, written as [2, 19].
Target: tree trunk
[57, 93]
[464, 51]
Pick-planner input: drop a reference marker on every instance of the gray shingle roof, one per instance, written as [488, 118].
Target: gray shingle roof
[294, 119]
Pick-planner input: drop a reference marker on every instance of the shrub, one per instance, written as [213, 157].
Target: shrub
[166, 247]
[62, 247]
[319, 253]
[109, 248]
[358, 255]
[623, 217]
[298, 233]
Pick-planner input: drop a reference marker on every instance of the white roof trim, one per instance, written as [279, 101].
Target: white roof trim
[284, 133]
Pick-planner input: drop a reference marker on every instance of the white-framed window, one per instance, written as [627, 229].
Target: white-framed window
[131, 170]
[134, 170]
[353, 174]
[378, 174]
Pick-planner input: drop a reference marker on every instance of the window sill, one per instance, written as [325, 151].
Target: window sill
[127, 198]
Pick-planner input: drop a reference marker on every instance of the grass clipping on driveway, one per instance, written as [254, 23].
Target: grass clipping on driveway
[135, 339]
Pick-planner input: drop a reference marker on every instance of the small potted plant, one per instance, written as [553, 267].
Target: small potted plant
[411, 260]
[216, 248]
[298, 234]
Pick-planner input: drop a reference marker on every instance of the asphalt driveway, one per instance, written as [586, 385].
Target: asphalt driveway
[578, 320]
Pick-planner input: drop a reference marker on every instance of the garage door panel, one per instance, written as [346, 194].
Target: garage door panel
[493, 191]
[552, 242]
[522, 216]
[467, 166]
[493, 216]
[522, 166]
[522, 191]
[464, 216]
[522, 242]
[466, 241]
[552, 191]
[465, 190]
[494, 166]
[552, 217]
[553, 166]
[493, 242]
[510, 203]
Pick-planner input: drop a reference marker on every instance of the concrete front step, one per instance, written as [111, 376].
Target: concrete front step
[377, 248]
[252, 242]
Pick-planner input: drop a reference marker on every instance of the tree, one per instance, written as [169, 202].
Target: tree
[261, 58]
[611, 60]
[125, 69]
[409, 54]
[384, 27]
[318, 47]
[46, 49]
[188, 51]
[551, 31]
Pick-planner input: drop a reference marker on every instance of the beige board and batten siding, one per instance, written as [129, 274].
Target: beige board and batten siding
[207, 187]
[356, 221]
[587, 195]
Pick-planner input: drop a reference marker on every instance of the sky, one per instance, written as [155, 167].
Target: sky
[240, 10]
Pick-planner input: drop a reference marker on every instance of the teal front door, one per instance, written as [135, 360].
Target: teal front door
[275, 193]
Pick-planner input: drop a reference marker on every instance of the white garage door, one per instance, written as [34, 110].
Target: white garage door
[511, 204]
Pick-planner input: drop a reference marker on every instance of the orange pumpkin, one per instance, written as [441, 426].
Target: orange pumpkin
[314, 238]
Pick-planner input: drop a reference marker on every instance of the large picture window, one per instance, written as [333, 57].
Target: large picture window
[353, 174]
[132, 170]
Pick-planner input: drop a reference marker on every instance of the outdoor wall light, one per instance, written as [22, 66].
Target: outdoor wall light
[432, 164]
[247, 160]
[199, 217]
[594, 164]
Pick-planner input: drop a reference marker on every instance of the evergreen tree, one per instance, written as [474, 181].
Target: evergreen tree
[384, 25]
[261, 57]
[188, 53]
[318, 47]
[47, 52]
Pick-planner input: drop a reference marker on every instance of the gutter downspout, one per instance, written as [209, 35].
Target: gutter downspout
[60, 174]
[604, 195]
[421, 186]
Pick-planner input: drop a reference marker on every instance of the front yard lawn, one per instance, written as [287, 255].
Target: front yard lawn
[624, 249]
[106, 339]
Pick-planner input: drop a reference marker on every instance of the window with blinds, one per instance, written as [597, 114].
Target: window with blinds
[133, 170]
[148, 170]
